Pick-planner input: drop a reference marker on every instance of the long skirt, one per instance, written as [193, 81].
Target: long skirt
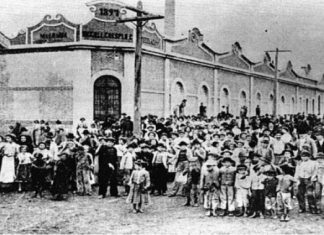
[159, 177]
[83, 181]
[7, 172]
[24, 173]
[138, 196]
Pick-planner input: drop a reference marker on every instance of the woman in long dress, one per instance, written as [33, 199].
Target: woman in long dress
[10, 150]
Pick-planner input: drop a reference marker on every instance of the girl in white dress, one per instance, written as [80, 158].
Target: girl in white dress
[10, 150]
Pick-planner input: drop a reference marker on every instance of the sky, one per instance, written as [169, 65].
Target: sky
[258, 25]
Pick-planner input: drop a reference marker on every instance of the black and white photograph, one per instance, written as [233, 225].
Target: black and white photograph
[161, 117]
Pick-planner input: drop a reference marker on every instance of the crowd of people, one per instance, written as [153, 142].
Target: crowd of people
[232, 166]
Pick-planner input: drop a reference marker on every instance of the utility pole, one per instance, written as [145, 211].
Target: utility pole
[141, 16]
[276, 81]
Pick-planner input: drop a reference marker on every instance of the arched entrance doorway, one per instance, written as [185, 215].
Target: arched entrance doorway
[107, 98]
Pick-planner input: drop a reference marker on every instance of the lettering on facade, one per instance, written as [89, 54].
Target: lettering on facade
[151, 37]
[107, 36]
[51, 34]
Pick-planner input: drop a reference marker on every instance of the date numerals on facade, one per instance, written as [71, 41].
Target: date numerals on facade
[110, 13]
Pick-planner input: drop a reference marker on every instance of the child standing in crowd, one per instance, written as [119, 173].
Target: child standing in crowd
[139, 183]
[242, 189]
[209, 183]
[319, 182]
[270, 192]
[127, 164]
[25, 160]
[306, 174]
[285, 182]
[257, 190]
[60, 186]
[227, 175]
[38, 174]
[159, 171]
[84, 163]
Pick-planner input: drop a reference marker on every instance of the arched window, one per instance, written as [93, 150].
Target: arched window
[107, 98]
[283, 105]
[319, 105]
[313, 106]
[243, 100]
[292, 105]
[300, 104]
[177, 96]
[270, 104]
[224, 97]
[203, 98]
[306, 104]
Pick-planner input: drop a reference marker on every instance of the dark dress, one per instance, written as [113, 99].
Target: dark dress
[61, 178]
[107, 155]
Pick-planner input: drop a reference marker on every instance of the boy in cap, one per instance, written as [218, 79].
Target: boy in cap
[270, 191]
[107, 160]
[127, 164]
[306, 174]
[182, 158]
[227, 176]
[209, 183]
[242, 189]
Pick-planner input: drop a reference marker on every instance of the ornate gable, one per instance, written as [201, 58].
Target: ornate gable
[152, 37]
[4, 41]
[289, 72]
[235, 58]
[266, 66]
[191, 47]
[52, 30]
[20, 39]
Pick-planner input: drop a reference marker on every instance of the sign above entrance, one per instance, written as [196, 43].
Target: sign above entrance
[52, 30]
[108, 11]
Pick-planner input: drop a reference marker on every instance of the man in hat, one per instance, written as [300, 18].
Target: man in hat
[306, 174]
[227, 176]
[320, 141]
[107, 160]
[278, 147]
[305, 139]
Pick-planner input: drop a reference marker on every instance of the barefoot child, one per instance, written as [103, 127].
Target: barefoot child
[139, 183]
[284, 192]
[242, 189]
[24, 166]
[209, 183]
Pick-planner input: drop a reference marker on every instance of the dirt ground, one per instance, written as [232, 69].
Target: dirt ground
[19, 213]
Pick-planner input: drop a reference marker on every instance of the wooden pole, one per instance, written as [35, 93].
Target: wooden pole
[138, 68]
[276, 85]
